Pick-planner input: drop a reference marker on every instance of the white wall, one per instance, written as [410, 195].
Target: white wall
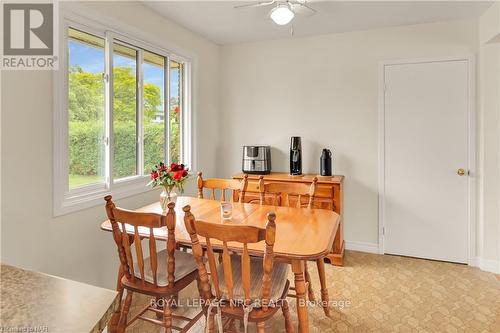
[489, 139]
[324, 89]
[72, 246]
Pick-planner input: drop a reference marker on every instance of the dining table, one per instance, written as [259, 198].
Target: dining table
[302, 234]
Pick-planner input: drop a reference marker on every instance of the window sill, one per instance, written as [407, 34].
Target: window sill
[73, 202]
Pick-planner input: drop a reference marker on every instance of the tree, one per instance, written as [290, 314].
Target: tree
[174, 120]
[124, 98]
[152, 100]
[86, 112]
[86, 95]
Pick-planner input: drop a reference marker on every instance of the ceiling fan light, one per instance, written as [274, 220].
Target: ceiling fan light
[282, 14]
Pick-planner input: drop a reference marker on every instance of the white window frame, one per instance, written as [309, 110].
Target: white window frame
[66, 200]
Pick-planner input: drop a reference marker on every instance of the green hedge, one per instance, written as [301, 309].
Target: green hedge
[86, 148]
[153, 145]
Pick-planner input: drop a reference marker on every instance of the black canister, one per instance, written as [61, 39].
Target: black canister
[295, 156]
[325, 163]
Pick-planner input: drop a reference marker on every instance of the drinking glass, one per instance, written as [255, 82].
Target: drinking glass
[226, 210]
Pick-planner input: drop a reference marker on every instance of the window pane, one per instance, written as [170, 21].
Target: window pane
[86, 128]
[124, 111]
[154, 112]
[176, 107]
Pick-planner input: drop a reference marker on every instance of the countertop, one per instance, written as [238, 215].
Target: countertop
[37, 302]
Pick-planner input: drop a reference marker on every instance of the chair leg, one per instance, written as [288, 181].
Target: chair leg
[261, 327]
[288, 318]
[115, 317]
[113, 324]
[175, 299]
[310, 291]
[122, 323]
[324, 291]
[159, 305]
[167, 317]
[211, 322]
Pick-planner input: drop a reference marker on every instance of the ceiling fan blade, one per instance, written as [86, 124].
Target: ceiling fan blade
[256, 4]
[301, 7]
[305, 5]
[302, 10]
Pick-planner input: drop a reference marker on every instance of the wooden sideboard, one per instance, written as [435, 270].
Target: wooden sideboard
[324, 200]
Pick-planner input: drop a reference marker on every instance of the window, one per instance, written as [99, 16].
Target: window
[125, 129]
[123, 109]
[154, 110]
[176, 104]
[86, 105]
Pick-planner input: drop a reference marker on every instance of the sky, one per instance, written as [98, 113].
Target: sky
[91, 59]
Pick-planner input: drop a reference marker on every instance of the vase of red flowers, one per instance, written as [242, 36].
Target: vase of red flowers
[170, 178]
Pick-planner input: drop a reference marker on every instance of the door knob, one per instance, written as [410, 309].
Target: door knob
[461, 172]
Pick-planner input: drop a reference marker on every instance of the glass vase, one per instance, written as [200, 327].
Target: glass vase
[166, 196]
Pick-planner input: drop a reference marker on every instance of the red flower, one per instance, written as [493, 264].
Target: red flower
[184, 173]
[176, 109]
[154, 175]
[163, 167]
[175, 167]
[178, 175]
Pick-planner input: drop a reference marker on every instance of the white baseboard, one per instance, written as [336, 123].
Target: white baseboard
[361, 246]
[487, 265]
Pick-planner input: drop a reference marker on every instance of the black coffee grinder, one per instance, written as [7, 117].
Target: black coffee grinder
[295, 156]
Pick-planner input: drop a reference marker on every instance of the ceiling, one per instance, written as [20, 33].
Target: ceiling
[221, 23]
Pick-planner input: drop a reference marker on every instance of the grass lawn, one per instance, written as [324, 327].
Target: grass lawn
[79, 180]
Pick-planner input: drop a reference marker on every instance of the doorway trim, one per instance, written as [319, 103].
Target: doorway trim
[471, 147]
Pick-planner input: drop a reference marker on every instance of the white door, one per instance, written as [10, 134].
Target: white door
[425, 199]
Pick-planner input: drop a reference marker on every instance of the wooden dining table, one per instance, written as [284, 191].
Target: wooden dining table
[302, 234]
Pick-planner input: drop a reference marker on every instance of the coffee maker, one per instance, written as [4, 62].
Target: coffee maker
[295, 156]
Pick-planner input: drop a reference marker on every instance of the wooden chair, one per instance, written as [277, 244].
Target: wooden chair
[222, 185]
[246, 289]
[161, 275]
[281, 194]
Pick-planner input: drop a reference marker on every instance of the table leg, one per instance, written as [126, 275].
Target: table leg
[300, 289]
[113, 325]
[325, 301]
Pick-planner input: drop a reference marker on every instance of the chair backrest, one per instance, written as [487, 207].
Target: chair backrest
[222, 185]
[120, 219]
[281, 192]
[231, 233]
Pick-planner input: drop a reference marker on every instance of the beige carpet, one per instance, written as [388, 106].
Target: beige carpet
[375, 293]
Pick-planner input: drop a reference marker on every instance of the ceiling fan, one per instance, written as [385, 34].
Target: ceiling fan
[282, 12]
